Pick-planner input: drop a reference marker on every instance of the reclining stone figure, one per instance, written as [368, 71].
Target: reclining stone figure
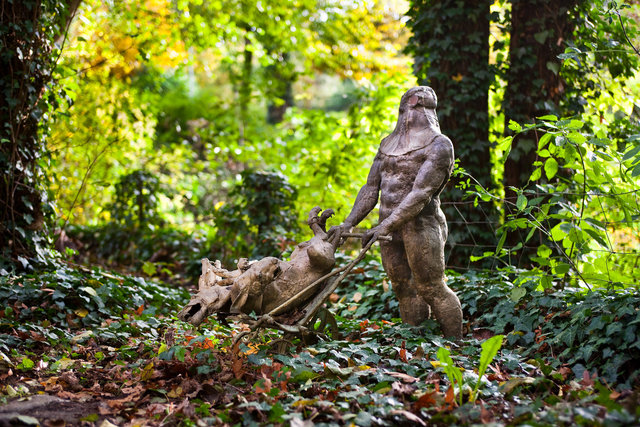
[266, 284]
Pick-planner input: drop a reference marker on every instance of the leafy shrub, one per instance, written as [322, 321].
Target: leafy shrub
[597, 331]
[137, 236]
[579, 207]
[49, 304]
[258, 219]
[366, 293]
[174, 253]
[136, 200]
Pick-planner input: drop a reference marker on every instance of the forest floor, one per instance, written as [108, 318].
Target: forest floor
[94, 348]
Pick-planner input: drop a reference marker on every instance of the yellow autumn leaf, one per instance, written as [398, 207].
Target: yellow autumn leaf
[176, 392]
[81, 312]
[304, 402]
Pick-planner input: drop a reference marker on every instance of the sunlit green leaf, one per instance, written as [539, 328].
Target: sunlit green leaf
[550, 167]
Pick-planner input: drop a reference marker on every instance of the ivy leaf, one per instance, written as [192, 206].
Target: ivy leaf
[26, 364]
[541, 36]
[149, 268]
[515, 126]
[517, 294]
[521, 203]
[550, 168]
[90, 291]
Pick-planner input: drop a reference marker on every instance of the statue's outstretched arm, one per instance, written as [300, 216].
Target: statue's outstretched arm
[433, 174]
[367, 196]
[366, 200]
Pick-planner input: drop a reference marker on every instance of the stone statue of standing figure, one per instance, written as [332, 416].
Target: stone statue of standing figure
[411, 168]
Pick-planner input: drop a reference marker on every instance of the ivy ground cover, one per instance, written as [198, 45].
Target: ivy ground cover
[107, 348]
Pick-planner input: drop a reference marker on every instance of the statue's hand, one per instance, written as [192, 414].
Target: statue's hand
[374, 234]
[335, 233]
[369, 235]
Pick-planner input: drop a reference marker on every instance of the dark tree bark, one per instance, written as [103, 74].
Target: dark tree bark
[450, 46]
[27, 31]
[244, 89]
[539, 33]
[280, 87]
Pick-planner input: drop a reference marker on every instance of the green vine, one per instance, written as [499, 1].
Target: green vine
[27, 33]
[450, 46]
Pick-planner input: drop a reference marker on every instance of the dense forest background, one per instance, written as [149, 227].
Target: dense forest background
[139, 137]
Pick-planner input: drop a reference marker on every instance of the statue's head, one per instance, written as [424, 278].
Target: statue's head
[418, 110]
[417, 122]
[419, 97]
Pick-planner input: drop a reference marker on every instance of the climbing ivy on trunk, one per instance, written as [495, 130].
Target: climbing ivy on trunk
[27, 33]
[450, 46]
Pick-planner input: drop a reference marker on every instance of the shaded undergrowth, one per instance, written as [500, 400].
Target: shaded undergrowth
[90, 336]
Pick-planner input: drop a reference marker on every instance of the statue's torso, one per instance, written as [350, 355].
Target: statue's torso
[398, 174]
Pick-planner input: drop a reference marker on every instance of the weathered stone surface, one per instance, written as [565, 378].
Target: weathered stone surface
[411, 168]
[266, 284]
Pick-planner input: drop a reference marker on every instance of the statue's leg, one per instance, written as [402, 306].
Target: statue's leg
[413, 309]
[424, 239]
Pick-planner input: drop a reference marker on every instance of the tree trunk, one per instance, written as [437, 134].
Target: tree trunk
[450, 46]
[280, 89]
[26, 65]
[244, 91]
[539, 32]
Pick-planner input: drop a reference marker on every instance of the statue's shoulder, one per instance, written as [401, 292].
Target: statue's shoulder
[442, 146]
[396, 145]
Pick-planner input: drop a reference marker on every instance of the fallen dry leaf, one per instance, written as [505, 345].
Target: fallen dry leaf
[402, 376]
[413, 418]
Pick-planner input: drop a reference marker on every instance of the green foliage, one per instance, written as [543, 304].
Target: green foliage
[596, 331]
[380, 371]
[141, 106]
[166, 252]
[366, 293]
[454, 374]
[327, 155]
[599, 60]
[489, 350]
[27, 33]
[136, 200]
[106, 134]
[51, 306]
[581, 193]
[559, 60]
[165, 136]
[257, 220]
